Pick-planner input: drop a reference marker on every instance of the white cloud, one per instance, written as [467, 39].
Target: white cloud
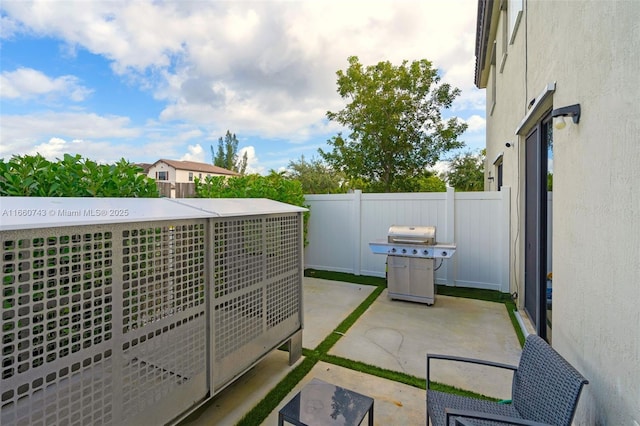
[262, 69]
[476, 123]
[270, 64]
[104, 138]
[22, 132]
[279, 79]
[196, 153]
[253, 164]
[441, 167]
[26, 83]
[56, 148]
[8, 26]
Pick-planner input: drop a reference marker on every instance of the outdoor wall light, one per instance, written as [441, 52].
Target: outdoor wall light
[560, 123]
[559, 115]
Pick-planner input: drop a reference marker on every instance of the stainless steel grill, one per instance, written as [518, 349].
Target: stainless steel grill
[411, 251]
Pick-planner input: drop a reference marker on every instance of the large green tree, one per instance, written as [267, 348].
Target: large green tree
[429, 182]
[466, 172]
[394, 116]
[227, 154]
[316, 176]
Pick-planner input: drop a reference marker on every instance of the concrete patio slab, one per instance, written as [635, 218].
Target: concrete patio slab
[394, 403]
[230, 406]
[397, 335]
[326, 304]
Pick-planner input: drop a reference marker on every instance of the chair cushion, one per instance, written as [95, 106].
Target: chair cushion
[438, 401]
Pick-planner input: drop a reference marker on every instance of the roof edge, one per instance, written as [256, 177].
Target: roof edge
[196, 166]
[483, 27]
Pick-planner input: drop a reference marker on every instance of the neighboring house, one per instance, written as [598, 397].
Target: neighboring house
[575, 205]
[175, 179]
[145, 167]
[184, 171]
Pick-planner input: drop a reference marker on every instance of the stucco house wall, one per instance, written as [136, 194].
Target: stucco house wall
[179, 170]
[183, 175]
[160, 166]
[589, 49]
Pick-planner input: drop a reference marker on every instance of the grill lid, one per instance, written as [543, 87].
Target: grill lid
[404, 234]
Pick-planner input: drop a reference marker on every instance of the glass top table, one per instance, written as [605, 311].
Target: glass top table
[321, 403]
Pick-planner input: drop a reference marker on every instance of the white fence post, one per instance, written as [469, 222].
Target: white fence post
[450, 230]
[357, 226]
[450, 208]
[506, 238]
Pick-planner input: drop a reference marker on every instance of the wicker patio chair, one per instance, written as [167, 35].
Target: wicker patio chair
[545, 391]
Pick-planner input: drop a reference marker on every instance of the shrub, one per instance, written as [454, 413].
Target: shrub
[274, 187]
[73, 176]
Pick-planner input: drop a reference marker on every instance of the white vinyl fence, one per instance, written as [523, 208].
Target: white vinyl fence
[342, 225]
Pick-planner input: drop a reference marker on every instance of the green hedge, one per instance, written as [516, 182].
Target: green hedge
[72, 176]
[275, 187]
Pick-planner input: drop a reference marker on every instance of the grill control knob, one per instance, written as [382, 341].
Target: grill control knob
[444, 254]
[393, 250]
[404, 250]
[415, 251]
[425, 252]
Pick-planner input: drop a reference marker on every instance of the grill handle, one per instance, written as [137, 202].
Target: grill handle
[409, 241]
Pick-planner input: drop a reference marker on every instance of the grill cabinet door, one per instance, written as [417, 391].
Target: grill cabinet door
[421, 272]
[398, 275]
[410, 279]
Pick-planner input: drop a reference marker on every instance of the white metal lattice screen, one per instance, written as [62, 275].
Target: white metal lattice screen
[282, 238]
[238, 265]
[256, 269]
[99, 324]
[57, 325]
[163, 312]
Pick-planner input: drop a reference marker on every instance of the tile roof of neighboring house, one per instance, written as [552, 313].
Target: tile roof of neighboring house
[145, 166]
[197, 167]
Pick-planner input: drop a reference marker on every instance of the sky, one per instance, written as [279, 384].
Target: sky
[144, 80]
